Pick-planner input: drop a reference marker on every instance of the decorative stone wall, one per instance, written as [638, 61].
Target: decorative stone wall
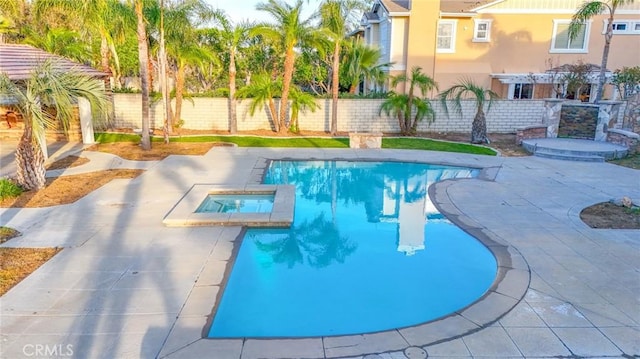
[578, 121]
[631, 117]
[551, 116]
[529, 132]
[608, 115]
[365, 140]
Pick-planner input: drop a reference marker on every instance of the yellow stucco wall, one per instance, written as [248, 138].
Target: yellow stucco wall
[421, 41]
[399, 42]
[519, 43]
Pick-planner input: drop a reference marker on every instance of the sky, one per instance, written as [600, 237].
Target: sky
[239, 10]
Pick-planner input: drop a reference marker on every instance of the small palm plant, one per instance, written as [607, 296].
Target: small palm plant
[262, 90]
[402, 105]
[468, 89]
[300, 101]
[58, 90]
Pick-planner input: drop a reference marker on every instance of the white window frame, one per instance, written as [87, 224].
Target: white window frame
[476, 25]
[512, 88]
[454, 26]
[585, 44]
[631, 27]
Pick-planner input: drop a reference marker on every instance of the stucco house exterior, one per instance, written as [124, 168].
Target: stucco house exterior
[519, 48]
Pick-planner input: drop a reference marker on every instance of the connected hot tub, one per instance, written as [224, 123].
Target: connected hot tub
[249, 206]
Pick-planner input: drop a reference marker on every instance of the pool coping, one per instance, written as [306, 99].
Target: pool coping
[507, 290]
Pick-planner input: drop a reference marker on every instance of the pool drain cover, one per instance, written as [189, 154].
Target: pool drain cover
[415, 353]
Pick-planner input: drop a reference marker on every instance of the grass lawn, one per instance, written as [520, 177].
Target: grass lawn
[313, 142]
[433, 145]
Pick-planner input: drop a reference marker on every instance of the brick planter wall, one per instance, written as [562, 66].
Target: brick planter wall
[625, 138]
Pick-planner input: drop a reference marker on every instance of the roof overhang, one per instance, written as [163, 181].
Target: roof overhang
[457, 14]
[392, 12]
[18, 61]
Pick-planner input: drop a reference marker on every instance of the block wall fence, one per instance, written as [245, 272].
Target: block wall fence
[361, 115]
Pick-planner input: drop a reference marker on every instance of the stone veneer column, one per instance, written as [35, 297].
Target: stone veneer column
[607, 118]
[631, 119]
[551, 115]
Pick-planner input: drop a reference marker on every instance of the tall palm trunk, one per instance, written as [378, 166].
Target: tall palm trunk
[403, 126]
[407, 113]
[164, 85]
[143, 57]
[286, 85]
[104, 57]
[233, 118]
[605, 58]
[104, 63]
[479, 128]
[335, 86]
[274, 115]
[29, 161]
[179, 91]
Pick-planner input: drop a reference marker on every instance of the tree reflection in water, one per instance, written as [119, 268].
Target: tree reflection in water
[317, 242]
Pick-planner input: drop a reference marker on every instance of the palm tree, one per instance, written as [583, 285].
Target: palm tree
[262, 90]
[143, 58]
[289, 31]
[333, 20]
[176, 24]
[423, 108]
[107, 18]
[300, 101]
[232, 38]
[481, 96]
[335, 16]
[398, 105]
[61, 42]
[57, 90]
[361, 63]
[13, 18]
[586, 11]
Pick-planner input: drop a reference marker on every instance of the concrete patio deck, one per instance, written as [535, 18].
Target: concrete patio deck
[125, 286]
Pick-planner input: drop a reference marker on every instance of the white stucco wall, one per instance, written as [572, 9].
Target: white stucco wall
[505, 116]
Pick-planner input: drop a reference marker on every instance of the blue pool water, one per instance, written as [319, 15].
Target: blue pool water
[236, 203]
[367, 252]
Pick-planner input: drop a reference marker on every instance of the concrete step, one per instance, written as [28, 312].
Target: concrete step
[545, 153]
[574, 150]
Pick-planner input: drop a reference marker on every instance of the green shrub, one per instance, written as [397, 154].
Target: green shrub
[8, 189]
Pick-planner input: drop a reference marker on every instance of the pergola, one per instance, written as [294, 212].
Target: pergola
[552, 76]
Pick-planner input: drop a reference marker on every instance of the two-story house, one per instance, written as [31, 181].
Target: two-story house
[518, 48]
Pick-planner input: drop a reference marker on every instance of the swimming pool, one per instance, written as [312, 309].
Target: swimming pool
[367, 252]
